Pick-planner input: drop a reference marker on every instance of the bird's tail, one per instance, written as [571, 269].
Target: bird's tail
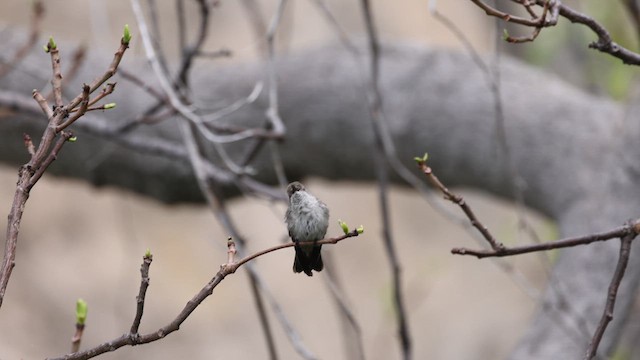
[308, 261]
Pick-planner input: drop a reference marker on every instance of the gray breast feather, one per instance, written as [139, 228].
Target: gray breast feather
[307, 218]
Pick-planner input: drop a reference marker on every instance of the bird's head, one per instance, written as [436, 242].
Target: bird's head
[293, 187]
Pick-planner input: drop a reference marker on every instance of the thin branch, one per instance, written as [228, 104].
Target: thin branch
[612, 293]
[190, 52]
[77, 337]
[557, 244]
[111, 70]
[605, 43]
[456, 199]
[549, 18]
[383, 148]
[56, 79]
[497, 248]
[144, 285]
[491, 11]
[334, 240]
[84, 104]
[290, 331]
[345, 309]
[264, 320]
[272, 112]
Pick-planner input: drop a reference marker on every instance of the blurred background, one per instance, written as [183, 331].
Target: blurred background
[94, 239]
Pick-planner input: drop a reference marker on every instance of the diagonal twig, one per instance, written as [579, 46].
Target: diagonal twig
[612, 293]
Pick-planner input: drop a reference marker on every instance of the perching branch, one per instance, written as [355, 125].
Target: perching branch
[231, 266]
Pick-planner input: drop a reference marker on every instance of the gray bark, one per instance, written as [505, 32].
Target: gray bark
[573, 150]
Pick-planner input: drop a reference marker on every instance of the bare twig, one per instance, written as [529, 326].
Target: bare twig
[264, 320]
[557, 244]
[456, 199]
[551, 10]
[190, 52]
[77, 338]
[612, 293]
[605, 43]
[144, 285]
[56, 79]
[353, 340]
[382, 149]
[535, 22]
[111, 70]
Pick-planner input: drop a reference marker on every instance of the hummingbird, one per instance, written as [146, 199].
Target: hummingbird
[307, 219]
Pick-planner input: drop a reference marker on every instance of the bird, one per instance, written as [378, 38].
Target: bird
[307, 219]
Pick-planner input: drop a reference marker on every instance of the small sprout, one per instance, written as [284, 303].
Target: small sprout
[344, 226]
[45, 48]
[81, 311]
[422, 159]
[148, 254]
[73, 139]
[109, 106]
[52, 44]
[126, 37]
[505, 35]
[360, 229]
